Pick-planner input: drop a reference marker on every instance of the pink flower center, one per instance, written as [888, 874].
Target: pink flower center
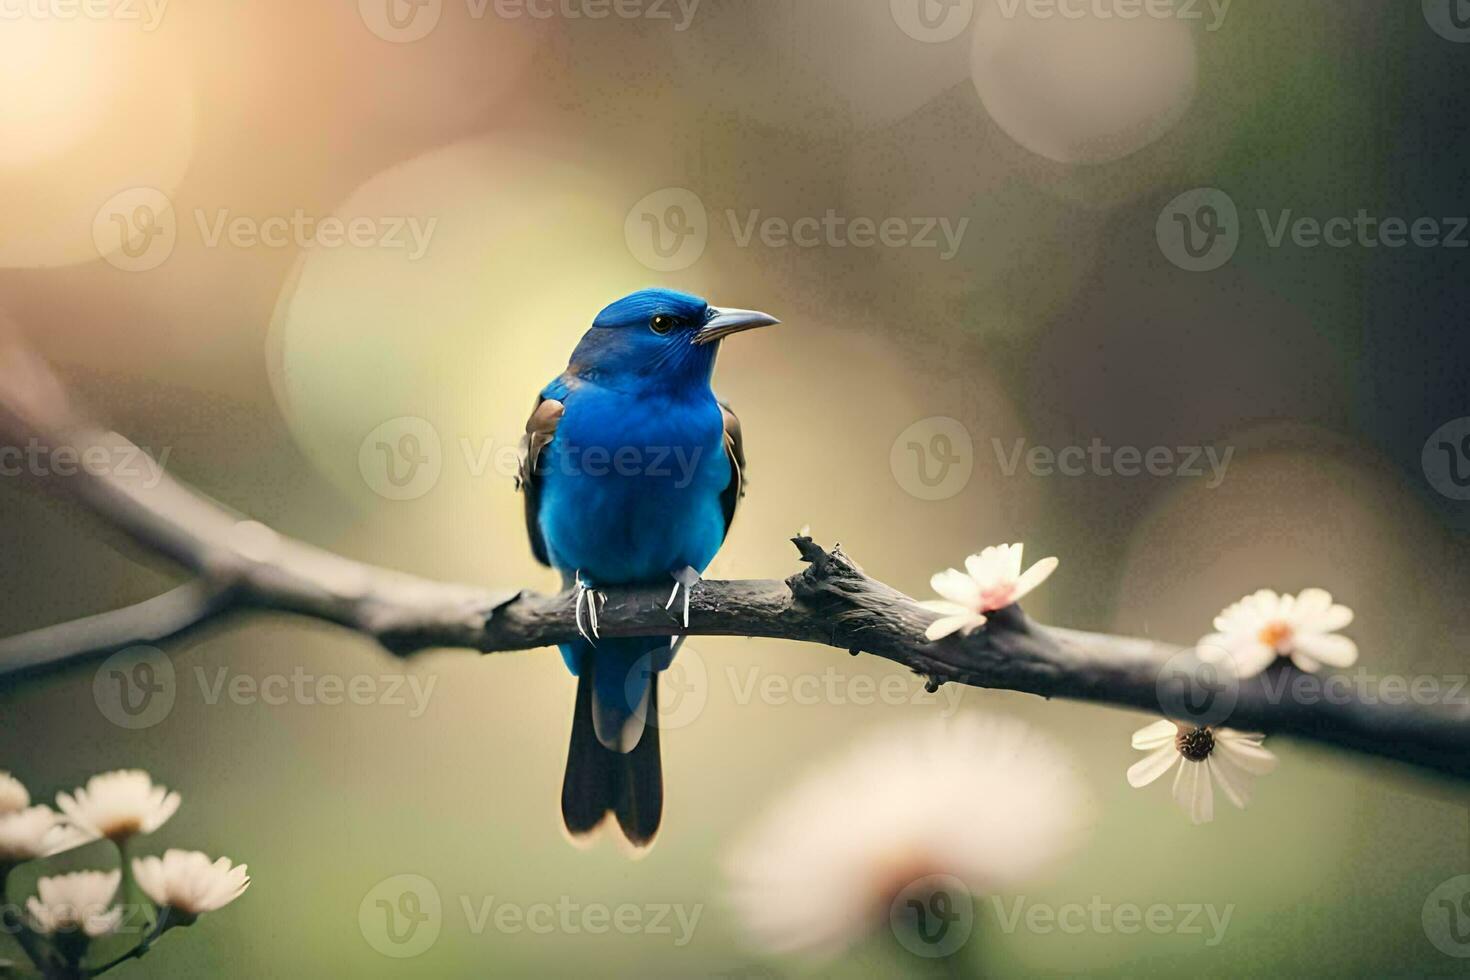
[997, 596]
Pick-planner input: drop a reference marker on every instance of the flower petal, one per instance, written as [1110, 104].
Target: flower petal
[1239, 617]
[1251, 658]
[169, 808]
[1331, 649]
[948, 625]
[1267, 604]
[1151, 767]
[1304, 663]
[1194, 792]
[1013, 561]
[67, 804]
[957, 587]
[1234, 782]
[1333, 619]
[1161, 732]
[1249, 655]
[1311, 603]
[946, 608]
[104, 924]
[1249, 756]
[1034, 576]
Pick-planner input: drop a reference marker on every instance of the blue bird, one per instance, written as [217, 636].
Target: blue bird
[631, 471]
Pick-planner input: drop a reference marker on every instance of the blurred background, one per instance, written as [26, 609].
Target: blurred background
[270, 240]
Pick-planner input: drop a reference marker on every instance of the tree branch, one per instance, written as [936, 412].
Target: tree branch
[152, 621]
[241, 565]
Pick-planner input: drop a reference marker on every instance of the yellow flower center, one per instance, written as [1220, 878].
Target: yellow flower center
[1276, 635]
[121, 827]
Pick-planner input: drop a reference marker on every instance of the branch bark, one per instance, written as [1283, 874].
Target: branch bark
[239, 565]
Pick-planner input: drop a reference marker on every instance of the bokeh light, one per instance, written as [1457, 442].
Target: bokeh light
[825, 66]
[1086, 86]
[464, 334]
[72, 66]
[90, 108]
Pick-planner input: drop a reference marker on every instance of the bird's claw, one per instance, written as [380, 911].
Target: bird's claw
[595, 600]
[688, 578]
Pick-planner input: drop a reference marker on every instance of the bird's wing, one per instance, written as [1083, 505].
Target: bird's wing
[540, 430]
[735, 450]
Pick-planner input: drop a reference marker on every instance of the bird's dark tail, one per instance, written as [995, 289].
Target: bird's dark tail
[601, 779]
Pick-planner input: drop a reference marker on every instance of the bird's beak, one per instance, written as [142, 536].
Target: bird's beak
[722, 323]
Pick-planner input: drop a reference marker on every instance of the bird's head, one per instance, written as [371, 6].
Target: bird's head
[658, 337]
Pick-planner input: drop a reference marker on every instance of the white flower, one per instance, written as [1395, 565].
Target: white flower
[82, 899]
[1261, 627]
[986, 800]
[1205, 756]
[991, 580]
[13, 795]
[118, 805]
[64, 837]
[188, 882]
[32, 833]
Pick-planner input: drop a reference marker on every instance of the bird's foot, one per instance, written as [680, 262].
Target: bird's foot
[686, 577]
[595, 600]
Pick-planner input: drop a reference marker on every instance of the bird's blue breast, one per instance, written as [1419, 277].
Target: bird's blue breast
[631, 484]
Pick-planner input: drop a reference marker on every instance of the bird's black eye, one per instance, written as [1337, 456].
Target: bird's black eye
[662, 323]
